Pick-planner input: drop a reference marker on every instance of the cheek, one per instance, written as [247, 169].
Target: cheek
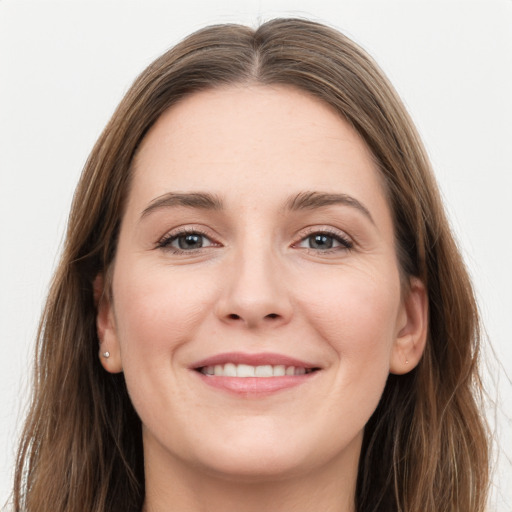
[359, 326]
[356, 316]
[157, 310]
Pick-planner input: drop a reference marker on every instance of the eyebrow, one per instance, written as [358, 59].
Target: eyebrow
[199, 200]
[313, 200]
[302, 201]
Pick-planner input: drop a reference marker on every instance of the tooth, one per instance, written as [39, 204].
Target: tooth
[264, 371]
[229, 370]
[244, 370]
[279, 370]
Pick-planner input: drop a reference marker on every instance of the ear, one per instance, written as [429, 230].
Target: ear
[412, 328]
[109, 351]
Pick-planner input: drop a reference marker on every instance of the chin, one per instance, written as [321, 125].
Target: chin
[258, 457]
[259, 466]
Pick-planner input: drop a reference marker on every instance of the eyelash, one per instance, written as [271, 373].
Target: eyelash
[345, 243]
[166, 241]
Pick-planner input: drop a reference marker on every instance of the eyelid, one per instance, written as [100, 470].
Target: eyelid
[346, 242]
[165, 241]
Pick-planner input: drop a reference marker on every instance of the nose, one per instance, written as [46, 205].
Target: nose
[255, 293]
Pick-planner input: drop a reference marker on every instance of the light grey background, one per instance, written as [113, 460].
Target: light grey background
[64, 65]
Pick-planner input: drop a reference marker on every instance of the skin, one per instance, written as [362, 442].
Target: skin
[258, 284]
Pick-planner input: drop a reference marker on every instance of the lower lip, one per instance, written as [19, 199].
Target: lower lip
[255, 385]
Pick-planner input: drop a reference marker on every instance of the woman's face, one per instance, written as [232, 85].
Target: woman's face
[257, 240]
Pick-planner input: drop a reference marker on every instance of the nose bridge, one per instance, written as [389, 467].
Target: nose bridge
[255, 292]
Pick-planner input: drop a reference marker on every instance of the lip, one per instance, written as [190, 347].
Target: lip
[254, 386]
[263, 358]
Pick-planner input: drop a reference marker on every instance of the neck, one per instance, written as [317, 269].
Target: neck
[178, 486]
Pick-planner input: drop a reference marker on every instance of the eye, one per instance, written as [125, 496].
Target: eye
[185, 241]
[325, 241]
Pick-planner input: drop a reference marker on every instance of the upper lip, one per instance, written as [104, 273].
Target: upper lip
[261, 359]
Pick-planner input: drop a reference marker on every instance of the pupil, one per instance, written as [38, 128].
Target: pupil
[321, 242]
[190, 242]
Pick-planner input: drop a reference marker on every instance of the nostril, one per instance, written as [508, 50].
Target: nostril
[270, 316]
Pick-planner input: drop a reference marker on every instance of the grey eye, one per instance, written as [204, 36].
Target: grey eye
[186, 242]
[189, 241]
[320, 241]
[324, 241]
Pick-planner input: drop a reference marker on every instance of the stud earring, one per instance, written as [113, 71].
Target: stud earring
[106, 355]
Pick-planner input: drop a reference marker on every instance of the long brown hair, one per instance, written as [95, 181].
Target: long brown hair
[425, 447]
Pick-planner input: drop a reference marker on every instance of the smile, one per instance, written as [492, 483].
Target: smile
[255, 375]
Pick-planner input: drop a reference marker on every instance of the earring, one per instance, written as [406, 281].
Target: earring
[106, 355]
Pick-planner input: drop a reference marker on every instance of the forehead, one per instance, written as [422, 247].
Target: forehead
[256, 140]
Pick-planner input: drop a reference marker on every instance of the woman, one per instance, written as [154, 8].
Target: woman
[260, 305]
